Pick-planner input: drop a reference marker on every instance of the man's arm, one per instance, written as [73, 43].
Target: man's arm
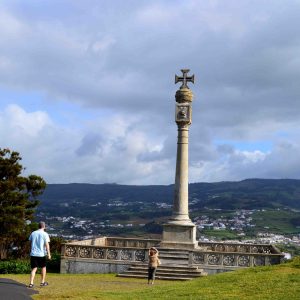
[48, 250]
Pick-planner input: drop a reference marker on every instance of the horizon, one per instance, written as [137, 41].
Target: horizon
[222, 181]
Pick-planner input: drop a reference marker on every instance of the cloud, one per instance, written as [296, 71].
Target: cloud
[119, 59]
[93, 154]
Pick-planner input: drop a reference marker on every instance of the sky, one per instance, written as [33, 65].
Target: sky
[87, 88]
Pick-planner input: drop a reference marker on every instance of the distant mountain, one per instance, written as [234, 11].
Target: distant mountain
[94, 193]
[246, 194]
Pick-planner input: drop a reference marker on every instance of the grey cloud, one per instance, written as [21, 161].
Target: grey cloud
[90, 145]
[117, 56]
[167, 152]
[225, 149]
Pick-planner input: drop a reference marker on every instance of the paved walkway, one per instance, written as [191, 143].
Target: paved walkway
[13, 290]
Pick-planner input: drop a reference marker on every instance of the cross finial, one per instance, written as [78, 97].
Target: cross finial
[184, 79]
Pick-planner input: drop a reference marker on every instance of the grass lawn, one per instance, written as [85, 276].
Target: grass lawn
[280, 282]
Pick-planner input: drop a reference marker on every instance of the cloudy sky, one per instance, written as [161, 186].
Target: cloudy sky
[87, 88]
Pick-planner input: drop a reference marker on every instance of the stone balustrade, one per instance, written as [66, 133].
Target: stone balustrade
[208, 255]
[113, 253]
[131, 242]
[232, 260]
[238, 247]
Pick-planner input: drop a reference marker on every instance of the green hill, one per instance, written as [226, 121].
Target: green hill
[277, 205]
[80, 199]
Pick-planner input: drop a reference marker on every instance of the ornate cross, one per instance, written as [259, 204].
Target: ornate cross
[184, 79]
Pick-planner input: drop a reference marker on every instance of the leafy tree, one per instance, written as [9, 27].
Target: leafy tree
[18, 200]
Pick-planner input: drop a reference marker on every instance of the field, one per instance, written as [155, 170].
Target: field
[277, 221]
[280, 282]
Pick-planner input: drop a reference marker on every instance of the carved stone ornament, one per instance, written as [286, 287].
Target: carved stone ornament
[70, 251]
[110, 242]
[98, 253]
[184, 95]
[120, 243]
[112, 254]
[231, 248]
[84, 252]
[141, 244]
[243, 261]
[213, 259]
[183, 114]
[140, 255]
[198, 258]
[131, 243]
[184, 79]
[220, 248]
[126, 255]
[243, 248]
[228, 260]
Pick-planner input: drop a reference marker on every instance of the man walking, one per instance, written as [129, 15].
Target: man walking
[39, 250]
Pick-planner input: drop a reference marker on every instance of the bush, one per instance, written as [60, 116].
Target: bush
[15, 267]
[296, 262]
[53, 265]
[19, 266]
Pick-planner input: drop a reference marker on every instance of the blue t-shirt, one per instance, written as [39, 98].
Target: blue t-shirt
[38, 239]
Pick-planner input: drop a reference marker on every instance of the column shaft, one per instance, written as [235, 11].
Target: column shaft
[180, 205]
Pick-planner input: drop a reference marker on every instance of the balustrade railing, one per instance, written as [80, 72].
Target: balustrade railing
[238, 247]
[233, 259]
[223, 255]
[104, 253]
[131, 242]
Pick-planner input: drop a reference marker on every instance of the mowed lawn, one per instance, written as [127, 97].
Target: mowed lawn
[274, 282]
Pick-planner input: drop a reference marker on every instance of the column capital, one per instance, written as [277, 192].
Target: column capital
[184, 95]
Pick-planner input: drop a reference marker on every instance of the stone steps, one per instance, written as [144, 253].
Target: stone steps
[156, 277]
[164, 272]
[165, 269]
[172, 256]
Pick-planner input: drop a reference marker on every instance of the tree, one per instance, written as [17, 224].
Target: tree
[18, 200]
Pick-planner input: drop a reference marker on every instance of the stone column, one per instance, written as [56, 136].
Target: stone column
[179, 231]
[183, 119]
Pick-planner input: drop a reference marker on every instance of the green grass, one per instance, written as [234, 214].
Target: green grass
[220, 234]
[278, 221]
[281, 282]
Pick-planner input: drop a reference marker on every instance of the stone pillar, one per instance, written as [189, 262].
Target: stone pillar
[179, 231]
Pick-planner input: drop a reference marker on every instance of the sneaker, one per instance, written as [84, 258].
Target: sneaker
[44, 283]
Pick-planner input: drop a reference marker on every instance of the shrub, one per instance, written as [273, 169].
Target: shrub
[53, 265]
[18, 266]
[14, 267]
[296, 262]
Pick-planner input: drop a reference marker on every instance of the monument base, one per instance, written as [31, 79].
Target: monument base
[179, 236]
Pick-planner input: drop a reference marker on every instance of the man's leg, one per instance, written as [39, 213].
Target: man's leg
[43, 274]
[32, 274]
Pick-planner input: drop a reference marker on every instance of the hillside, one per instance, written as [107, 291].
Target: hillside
[135, 210]
[246, 194]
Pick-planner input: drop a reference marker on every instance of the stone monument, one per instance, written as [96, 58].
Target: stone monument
[183, 258]
[179, 231]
